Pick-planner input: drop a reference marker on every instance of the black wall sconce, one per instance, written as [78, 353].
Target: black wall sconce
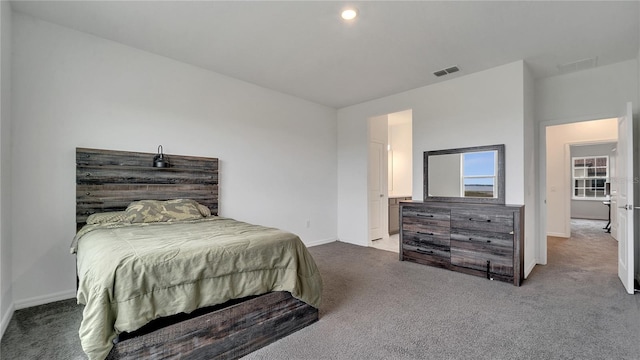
[159, 160]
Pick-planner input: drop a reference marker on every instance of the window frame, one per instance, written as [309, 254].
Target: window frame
[493, 176]
[587, 180]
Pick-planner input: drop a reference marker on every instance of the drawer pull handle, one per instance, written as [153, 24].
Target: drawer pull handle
[489, 270]
[471, 239]
[481, 220]
[511, 233]
[424, 251]
[425, 215]
[488, 241]
[425, 233]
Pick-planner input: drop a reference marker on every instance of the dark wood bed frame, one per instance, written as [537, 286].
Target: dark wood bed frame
[108, 180]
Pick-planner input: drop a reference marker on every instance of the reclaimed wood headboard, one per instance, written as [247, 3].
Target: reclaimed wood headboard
[108, 180]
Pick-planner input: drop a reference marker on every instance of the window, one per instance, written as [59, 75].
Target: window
[479, 174]
[590, 174]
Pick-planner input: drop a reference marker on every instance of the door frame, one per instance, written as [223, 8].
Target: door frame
[541, 244]
[567, 160]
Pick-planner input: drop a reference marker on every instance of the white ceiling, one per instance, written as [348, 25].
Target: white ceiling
[304, 49]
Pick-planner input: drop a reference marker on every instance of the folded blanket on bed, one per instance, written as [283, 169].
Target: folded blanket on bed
[130, 274]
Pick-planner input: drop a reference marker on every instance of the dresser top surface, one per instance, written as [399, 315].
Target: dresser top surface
[455, 205]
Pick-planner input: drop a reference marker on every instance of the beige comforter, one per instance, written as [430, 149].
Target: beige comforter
[133, 273]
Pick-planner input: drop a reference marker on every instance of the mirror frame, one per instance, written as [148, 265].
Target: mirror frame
[476, 200]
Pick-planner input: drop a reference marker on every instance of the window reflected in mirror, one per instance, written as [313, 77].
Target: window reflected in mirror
[479, 174]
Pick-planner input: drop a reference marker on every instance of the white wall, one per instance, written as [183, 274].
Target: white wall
[6, 295]
[401, 155]
[597, 93]
[531, 169]
[483, 108]
[277, 152]
[558, 140]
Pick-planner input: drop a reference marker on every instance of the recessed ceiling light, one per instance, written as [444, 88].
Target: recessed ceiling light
[349, 14]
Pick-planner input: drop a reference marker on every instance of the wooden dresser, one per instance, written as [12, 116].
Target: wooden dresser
[479, 239]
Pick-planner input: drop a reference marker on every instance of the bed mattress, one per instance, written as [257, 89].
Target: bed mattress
[130, 274]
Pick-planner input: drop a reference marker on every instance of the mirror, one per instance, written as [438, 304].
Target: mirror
[474, 174]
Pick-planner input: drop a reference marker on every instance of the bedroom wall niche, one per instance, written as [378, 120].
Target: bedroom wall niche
[390, 153]
[461, 112]
[119, 98]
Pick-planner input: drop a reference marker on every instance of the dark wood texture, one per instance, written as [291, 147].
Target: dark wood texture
[478, 200]
[425, 235]
[228, 333]
[108, 180]
[394, 213]
[465, 238]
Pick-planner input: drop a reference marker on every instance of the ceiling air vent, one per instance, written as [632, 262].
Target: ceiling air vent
[578, 65]
[446, 71]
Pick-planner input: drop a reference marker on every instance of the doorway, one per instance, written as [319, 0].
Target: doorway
[390, 176]
[567, 195]
[560, 197]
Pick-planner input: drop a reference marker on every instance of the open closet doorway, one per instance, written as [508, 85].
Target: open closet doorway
[582, 189]
[390, 176]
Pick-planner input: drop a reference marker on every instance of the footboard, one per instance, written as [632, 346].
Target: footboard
[227, 333]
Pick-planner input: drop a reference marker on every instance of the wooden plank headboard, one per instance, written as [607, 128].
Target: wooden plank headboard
[108, 180]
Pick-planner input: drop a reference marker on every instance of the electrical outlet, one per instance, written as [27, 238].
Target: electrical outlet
[308, 223]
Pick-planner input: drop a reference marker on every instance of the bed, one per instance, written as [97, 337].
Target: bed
[185, 285]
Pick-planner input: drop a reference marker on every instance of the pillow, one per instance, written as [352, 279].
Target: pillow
[145, 211]
[106, 217]
[204, 210]
[182, 209]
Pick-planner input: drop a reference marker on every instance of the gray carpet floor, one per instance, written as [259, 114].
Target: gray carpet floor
[376, 307]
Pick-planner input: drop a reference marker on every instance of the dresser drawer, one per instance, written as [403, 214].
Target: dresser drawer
[433, 250]
[492, 221]
[428, 241]
[485, 239]
[427, 231]
[421, 218]
[426, 256]
[475, 256]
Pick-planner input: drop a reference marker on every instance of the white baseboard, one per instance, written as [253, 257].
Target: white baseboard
[562, 235]
[320, 242]
[5, 320]
[44, 299]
